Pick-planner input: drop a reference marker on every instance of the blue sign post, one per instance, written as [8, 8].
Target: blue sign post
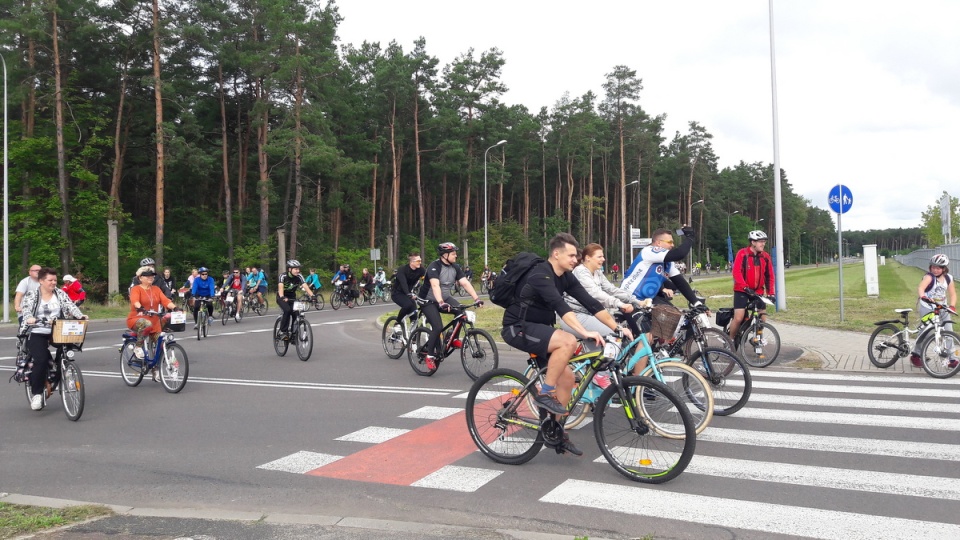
[840, 199]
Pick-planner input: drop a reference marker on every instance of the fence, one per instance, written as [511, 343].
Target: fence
[921, 257]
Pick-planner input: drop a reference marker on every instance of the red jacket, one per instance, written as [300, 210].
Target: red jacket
[75, 291]
[753, 270]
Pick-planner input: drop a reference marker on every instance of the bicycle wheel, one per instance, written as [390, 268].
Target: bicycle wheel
[72, 390]
[174, 368]
[478, 353]
[335, 300]
[201, 323]
[760, 345]
[941, 358]
[483, 288]
[373, 299]
[635, 448]
[392, 337]
[886, 346]
[206, 326]
[500, 423]
[415, 352]
[318, 301]
[131, 367]
[360, 299]
[304, 337]
[728, 376]
[690, 387]
[712, 337]
[280, 345]
[579, 412]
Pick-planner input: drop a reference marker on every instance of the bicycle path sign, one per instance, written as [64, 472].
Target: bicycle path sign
[840, 198]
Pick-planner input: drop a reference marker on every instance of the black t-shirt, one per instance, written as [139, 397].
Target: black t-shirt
[447, 274]
[290, 284]
[542, 289]
[407, 279]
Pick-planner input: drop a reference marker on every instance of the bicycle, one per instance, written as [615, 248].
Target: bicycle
[67, 337]
[162, 353]
[366, 297]
[382, 292]
[478, 351]
[340, 296]
[184, 302]
[252, 302]
[203, 318]
[757, 341]
[888, 343]
[316, 301]
[230, 308]
[678, 338]
[628, 429]
[458, 290]
[300, 333]
[396, 335]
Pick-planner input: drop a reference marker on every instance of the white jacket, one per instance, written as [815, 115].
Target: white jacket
[600, 288]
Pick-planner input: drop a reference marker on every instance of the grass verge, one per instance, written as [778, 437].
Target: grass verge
[17, 520]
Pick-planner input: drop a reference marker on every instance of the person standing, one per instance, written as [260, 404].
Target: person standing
[616, 271]
[937, 285]
[753, 274]
[27, 284]
[74, 290]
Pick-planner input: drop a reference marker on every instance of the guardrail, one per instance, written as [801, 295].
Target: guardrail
[921, 257]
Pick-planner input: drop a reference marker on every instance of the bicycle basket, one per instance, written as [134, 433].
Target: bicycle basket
[724, 316]
[178, 321]
[68, 331]
[664, 321]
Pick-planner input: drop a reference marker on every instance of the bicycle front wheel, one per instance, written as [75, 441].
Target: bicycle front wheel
[500, 421]
[728, 376]
[392, 337]
[941, 357]
[225, 314]
[690, 387]
[174, 368]
[72, 390]
[884, 347]
[318, 301]
[131, 367]
[630, 439]
[478, 354]
[280, 345]
[760, 345]
[416, 353]
[335, 300]
[712, 337]
[201, 323]
[304, 337]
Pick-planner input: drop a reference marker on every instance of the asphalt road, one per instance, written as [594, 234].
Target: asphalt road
[351, 433]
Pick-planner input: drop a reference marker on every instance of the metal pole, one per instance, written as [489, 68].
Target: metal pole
[840, 258]
[778, 201]
[486, 204]
[730, 240]
[6, 205]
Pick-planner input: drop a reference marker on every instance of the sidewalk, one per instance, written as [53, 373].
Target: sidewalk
[839, 350]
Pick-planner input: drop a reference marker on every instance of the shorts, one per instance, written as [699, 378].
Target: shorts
[741, 300]
[262, 289]
[529, 337]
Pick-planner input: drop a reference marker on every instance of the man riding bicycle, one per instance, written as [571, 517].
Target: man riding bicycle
[257, 282]
[404, 282]
[441, 276]
[287, 287]
[753, 274]
[348, 284]
[233, 284]
[204, 286]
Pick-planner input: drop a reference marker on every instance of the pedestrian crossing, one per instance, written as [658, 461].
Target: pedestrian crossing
[885, 445]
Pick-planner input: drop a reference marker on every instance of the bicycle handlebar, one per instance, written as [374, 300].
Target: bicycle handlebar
[937, 306]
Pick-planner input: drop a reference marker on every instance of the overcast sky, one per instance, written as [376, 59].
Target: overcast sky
[868, 91]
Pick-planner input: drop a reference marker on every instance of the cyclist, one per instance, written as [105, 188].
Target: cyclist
[485, 277]
[203, 287]
[348, 285]
[379, 280]
[41, 307]
[167, 280]
[233, 284]
[937, 285]
[74, 290]
[27, 284]
[159, 283]
[258, 282]
[366, 281]
[752, 273]
[287, 294]
[404, 281]
[657, 262]
[146, 297]
[528, 323]
[440, 278]
[590, 275]
[313, 280]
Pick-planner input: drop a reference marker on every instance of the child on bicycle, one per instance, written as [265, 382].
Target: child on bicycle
[937, 285]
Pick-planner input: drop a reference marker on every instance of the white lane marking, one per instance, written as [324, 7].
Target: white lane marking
[824, 443]
[432, 413]
[828, 477]
[849, 377]
[749, 515]
[373, 434]
[884, 404]
[454, 478]
[888, 391]
[874, 420]
[300, 463]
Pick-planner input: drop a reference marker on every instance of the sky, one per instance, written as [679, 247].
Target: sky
[868, 92]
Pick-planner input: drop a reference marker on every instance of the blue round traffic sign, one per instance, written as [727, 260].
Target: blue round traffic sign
[840, 198]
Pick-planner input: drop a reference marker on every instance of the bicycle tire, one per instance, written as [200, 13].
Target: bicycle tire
[304, 337]
[692, 389]
[712, 337]
[224, 315]
[72, 390]
[201, 323]
[483, 288]
[642, 454]
[938, 356]
[770, 345]
[336, 300]
[318, 301]
[174, 368]
[131, 367]
[206, 326]
[360, 299]
[492, 395]
[577, 415]
[373, 299]
[393, 342]
[886, 345]
[280, 346]
[418, 340]
[478, 353]
[729, 379]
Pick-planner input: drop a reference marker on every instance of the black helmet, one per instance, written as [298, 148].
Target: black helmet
[203, 269]
[446, 247]
[293, 263]
[147, 262]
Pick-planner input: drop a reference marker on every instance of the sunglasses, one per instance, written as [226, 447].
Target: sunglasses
[204, 274]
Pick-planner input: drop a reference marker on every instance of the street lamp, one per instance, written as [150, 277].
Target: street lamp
[624, 233]
[6, 210]
[757, 223]
[729, 240]
[690, 254]
[486, 204]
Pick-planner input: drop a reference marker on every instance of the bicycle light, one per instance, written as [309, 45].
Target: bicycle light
[70, 354]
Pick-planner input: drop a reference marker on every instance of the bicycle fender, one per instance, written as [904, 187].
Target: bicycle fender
[892, 321]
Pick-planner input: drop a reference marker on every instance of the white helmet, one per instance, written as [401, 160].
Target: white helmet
[757, 235]
[940, 260]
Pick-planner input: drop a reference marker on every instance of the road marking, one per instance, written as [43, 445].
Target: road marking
[740, 514]
[300, 462]
[887, 391]
[884, 404]
[873, 420]
[454, 478]
[879, 377]
[432, 413]
[826, 443]
[373, 434]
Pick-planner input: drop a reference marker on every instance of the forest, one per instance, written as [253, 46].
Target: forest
[212, 130]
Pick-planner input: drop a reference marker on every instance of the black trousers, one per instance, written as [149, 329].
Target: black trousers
[39, 347]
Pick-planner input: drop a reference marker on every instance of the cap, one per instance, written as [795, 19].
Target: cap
[68, 277]
[146, 271]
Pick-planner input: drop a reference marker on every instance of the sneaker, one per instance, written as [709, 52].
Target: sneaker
[36, 402]
[568, 446]
[397, 329]
[915, 360]
[285, 336]
[550, 403]
[428, 361]
[138, 352]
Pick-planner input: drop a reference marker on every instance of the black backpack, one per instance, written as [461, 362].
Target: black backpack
[505, 293]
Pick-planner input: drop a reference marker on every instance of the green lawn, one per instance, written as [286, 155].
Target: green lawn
[17, 520]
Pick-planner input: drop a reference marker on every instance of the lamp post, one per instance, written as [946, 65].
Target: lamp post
[6, 209]
[729, 240]
[800, 241]
[757, 223]
[623, 237]
[486, 204]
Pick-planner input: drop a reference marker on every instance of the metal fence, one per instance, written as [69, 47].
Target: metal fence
[921, 257]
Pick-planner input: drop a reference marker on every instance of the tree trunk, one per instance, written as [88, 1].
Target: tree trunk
[63, 186]
[297, 156]
[158, 105]
[225, 163]
[416, 153]
[119, 149]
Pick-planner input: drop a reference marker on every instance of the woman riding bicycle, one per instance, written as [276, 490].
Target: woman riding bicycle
[287, 294]
[937, 285]
[146, 297]
[203, 286]
[313, 280]
[40, 308]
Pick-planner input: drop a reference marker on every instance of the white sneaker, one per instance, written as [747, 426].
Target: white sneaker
[138, 352]
[36, 403]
